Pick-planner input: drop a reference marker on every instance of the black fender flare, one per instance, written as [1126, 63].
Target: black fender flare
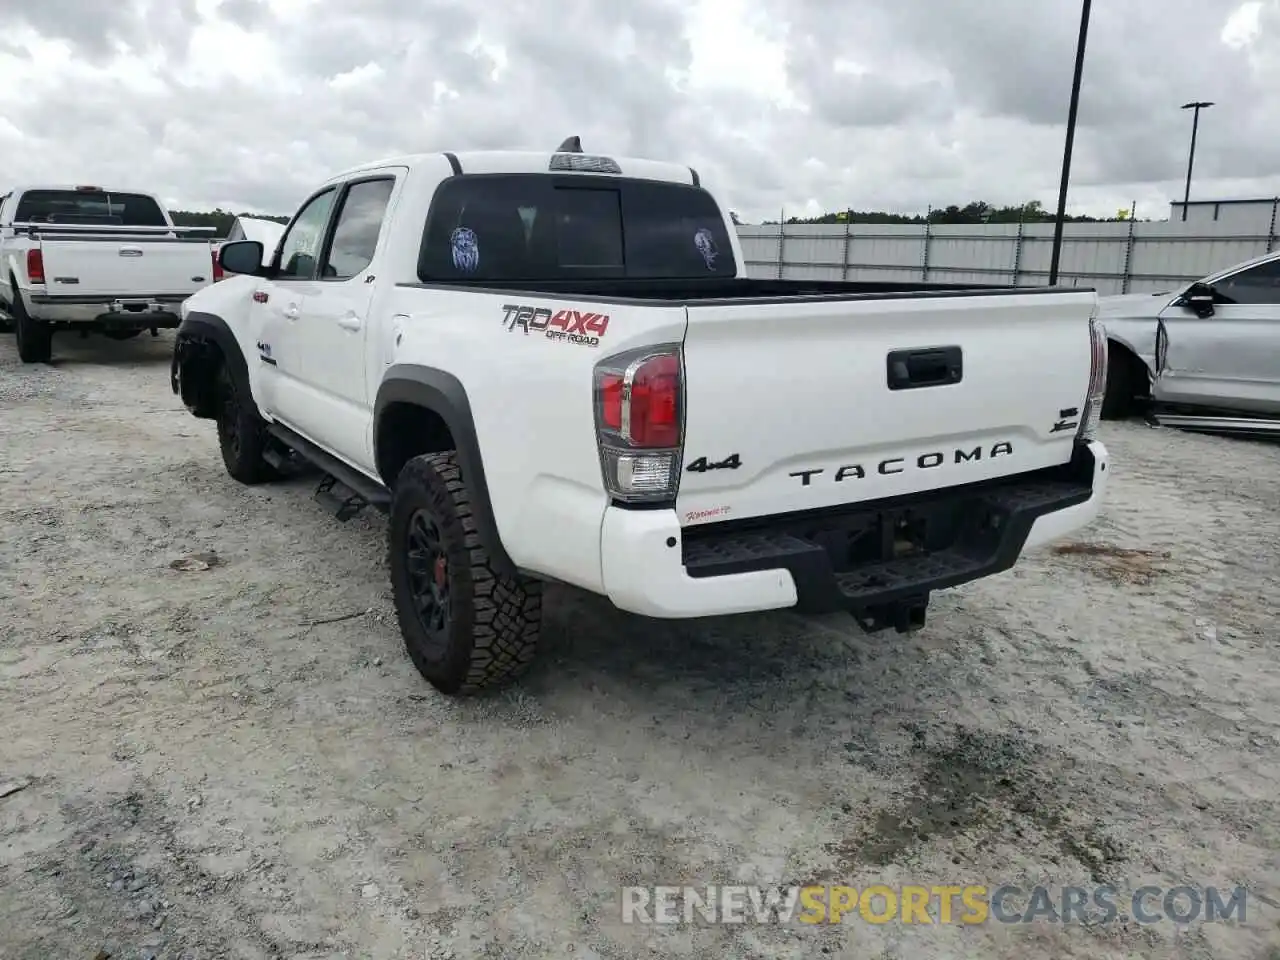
[443, 394]
[190, 344]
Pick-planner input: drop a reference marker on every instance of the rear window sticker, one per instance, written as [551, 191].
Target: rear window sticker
[706, 245]
[466, 249]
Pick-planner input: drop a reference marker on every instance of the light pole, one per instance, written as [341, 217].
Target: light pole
[1197, 106]
[1071, 137]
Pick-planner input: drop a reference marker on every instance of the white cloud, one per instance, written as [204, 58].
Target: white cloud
[1244, 25]
[803, 105]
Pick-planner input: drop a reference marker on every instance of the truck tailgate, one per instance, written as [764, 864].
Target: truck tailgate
[802, 404]
[108, 267]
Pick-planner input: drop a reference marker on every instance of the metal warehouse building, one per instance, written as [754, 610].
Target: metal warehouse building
[1252, 216]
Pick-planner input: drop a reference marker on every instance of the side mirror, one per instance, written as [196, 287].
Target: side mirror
[241, 256]
[1199, 299]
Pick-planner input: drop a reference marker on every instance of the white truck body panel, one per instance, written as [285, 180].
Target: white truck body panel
[545, 473]
[802, 387]
[114, 267]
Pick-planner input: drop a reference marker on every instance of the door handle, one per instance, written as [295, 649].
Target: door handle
[349, 322]
[291, 311]
[930, 367]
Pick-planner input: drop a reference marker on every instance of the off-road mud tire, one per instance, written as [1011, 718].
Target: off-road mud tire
[491, 632]
[35, 339]
[242, 435]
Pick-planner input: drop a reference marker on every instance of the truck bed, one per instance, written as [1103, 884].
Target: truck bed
[802, 395]
[740, 289]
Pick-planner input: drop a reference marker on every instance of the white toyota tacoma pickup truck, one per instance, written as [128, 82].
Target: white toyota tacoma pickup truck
[553, 367]
[88, 259]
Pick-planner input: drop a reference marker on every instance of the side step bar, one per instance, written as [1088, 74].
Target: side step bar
[360, 490]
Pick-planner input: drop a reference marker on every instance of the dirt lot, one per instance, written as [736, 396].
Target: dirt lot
[213, 765]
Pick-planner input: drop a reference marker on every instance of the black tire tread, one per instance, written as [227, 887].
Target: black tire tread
[35, 339]
[494, 641]
[249, 468]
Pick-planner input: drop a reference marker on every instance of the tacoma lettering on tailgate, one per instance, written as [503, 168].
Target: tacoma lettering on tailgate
[925, 461]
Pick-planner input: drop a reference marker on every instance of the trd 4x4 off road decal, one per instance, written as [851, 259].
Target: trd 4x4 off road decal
[574, 326]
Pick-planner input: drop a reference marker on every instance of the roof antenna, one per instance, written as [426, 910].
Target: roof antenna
[571, 145]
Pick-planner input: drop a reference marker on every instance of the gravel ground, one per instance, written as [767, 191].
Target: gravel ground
[207, 763]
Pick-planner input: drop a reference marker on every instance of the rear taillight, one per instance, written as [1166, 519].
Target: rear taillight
[1092, 412]
[35, 266]
[639, 405]
[217, 268]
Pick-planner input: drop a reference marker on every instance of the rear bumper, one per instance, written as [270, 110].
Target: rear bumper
[849, 559]
[107, 313]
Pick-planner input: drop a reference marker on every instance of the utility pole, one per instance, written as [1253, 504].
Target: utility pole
[1196, 106]
[1071, 137]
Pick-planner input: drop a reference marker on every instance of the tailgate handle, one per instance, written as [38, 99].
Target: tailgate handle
[928, 367]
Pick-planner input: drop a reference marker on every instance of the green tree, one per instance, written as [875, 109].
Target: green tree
[975, 211]
[217, 218]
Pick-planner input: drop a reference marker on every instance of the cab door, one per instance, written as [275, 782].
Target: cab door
[337, 320]
[276, 313]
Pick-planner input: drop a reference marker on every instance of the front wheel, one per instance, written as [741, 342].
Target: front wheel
[35, 339]
[465, 625]
[242, 435]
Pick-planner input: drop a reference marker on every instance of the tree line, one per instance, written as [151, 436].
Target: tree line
[221, 220]
[977, 211]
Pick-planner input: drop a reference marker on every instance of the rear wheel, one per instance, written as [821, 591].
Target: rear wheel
[35, 339]
[465, 625]
[242, 435]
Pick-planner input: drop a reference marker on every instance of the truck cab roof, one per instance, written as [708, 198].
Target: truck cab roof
[520, 161]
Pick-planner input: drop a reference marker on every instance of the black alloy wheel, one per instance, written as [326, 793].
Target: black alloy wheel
[428, 568]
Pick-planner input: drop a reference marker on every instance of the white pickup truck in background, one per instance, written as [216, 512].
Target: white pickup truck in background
[554, 367]
[88, 259]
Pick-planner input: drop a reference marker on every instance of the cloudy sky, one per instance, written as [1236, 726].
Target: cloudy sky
[802, 105]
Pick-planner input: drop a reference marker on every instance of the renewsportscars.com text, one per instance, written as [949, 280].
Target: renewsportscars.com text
[936, 904]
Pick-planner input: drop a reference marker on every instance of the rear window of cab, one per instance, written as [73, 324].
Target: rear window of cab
[512, 227]
[95, 207]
